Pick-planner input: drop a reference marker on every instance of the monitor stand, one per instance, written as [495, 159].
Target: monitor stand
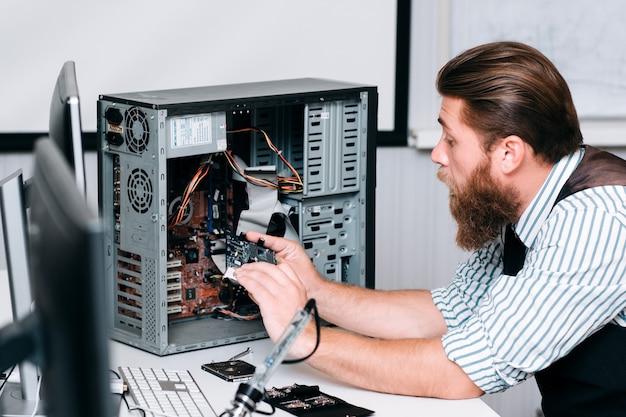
[12, 403]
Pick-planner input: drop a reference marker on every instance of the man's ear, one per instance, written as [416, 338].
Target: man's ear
[510, 152]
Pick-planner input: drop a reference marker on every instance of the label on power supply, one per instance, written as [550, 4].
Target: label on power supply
[191, 130]
[197, 133]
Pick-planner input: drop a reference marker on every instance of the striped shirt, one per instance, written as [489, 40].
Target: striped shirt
[502, 329]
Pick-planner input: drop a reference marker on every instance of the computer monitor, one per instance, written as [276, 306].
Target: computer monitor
[65, 122]
[17, 399]
[66, 333]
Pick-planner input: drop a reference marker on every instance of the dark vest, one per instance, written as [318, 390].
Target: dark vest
[591, 379]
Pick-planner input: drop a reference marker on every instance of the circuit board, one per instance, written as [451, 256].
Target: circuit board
[202, 246]
[240, 252]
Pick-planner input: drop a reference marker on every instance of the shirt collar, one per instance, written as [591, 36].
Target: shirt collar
[537, 212]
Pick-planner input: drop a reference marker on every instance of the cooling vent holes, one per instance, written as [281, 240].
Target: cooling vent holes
[140, 190]
[137, 130]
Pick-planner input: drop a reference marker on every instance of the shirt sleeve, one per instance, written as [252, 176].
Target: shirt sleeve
[502, 329]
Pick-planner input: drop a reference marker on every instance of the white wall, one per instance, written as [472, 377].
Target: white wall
[591, 60]
[123, 46]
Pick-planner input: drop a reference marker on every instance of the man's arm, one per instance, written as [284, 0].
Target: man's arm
[417, 367]
[409, 366]
[376, 313]
[385, 314]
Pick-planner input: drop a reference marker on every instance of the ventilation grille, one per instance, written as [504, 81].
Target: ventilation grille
[140, 190]
[136, 295]
[137, 130]
[150, 299]
[129, 292]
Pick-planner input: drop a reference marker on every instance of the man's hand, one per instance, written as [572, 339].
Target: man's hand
[279, 293]
[291, 253]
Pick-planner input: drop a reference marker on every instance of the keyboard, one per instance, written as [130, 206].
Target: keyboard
[163, 393]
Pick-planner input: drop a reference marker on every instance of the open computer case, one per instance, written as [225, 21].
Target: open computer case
[184, 172]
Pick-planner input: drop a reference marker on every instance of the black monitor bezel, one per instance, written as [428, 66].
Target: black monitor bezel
[67, 280]
[65, 126]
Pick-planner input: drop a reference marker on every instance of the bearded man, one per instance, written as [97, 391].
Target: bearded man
[543, 292]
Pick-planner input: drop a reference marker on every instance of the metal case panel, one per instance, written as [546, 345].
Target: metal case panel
[165, 277]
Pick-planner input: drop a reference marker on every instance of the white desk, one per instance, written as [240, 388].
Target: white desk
[220, 393]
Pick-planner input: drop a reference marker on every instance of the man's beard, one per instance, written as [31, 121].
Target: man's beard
[481, 207]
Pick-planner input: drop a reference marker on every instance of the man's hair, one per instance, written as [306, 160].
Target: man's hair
[512, 89]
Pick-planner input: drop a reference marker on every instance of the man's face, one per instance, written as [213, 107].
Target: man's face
[479, 202]
[458, 151]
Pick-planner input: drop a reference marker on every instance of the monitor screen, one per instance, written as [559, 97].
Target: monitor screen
[66, 251]
[65, 123]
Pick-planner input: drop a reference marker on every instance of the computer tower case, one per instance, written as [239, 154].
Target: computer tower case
[183, 172]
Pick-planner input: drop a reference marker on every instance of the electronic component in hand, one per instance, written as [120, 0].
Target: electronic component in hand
[240, 251]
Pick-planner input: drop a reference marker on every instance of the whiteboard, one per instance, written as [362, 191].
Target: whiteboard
[586, 40]
[137, 45]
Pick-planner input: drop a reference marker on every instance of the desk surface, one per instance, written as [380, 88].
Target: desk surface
[220, 393]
